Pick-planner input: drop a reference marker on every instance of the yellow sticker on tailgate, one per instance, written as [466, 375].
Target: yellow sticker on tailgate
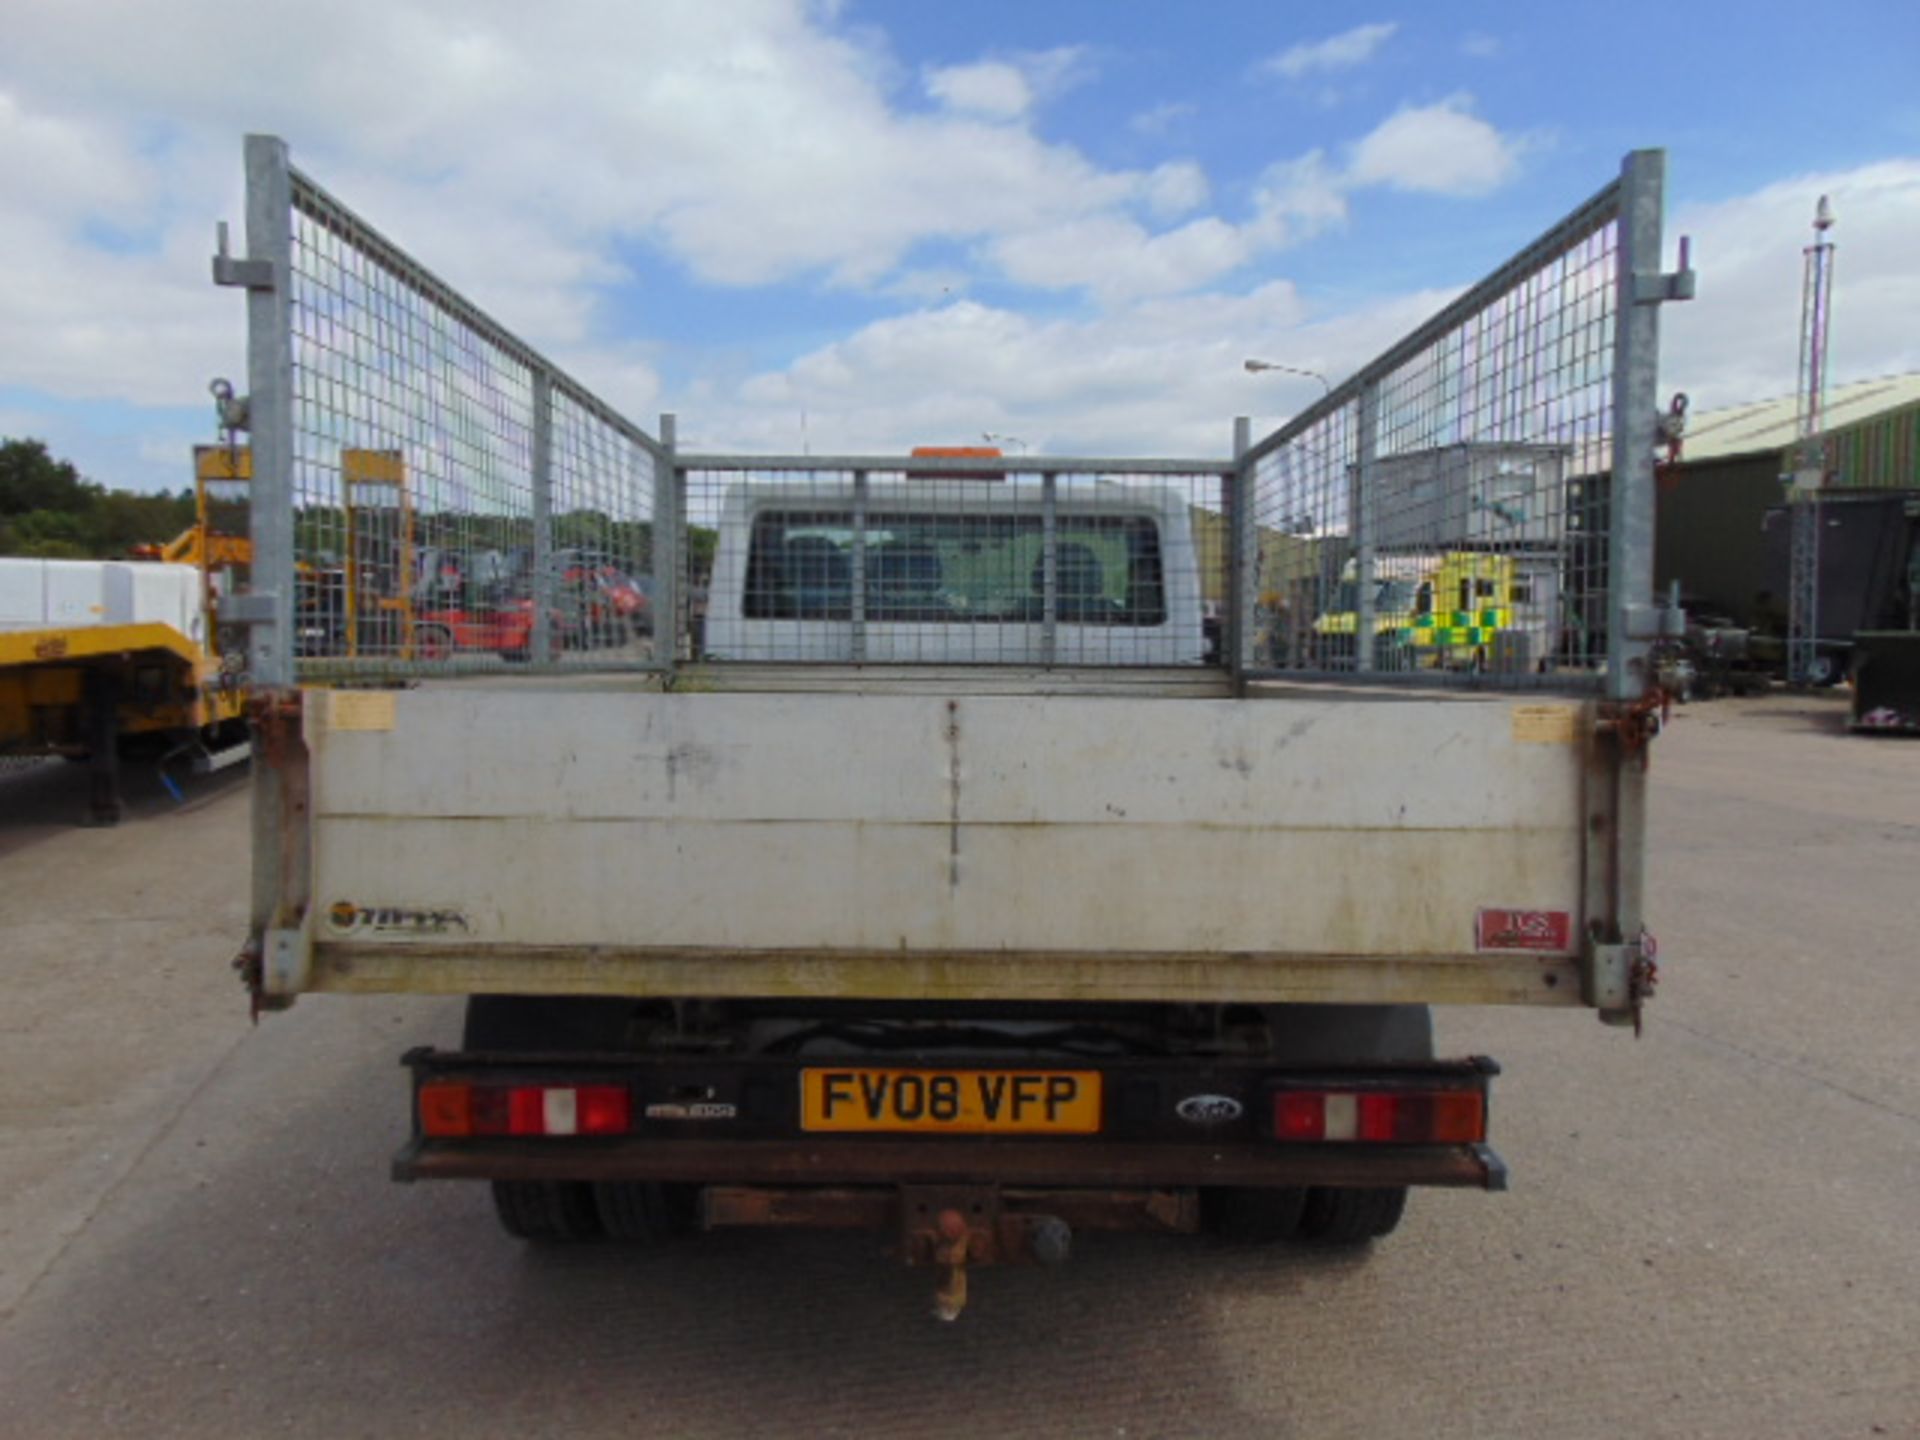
[360, 709]
[1543, 724]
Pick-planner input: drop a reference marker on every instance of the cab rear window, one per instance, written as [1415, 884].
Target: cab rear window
[955, 569]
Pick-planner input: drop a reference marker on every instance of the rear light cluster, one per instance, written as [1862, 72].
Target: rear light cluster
[455, 1108]
[1403, 1117]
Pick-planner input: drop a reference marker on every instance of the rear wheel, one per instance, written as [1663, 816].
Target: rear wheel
[1253, 1217]
[644, 1213]
[433, 642]
[546, 1210]
[1351, 1217]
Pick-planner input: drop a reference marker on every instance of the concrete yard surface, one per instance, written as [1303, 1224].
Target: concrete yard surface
[1711, 1230]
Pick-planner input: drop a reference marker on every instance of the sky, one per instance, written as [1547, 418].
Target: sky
[871, 224]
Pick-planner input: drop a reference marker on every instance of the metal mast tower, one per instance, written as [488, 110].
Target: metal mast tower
[1805, 664]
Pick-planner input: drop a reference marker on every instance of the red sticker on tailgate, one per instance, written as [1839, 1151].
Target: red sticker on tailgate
[1550, 930]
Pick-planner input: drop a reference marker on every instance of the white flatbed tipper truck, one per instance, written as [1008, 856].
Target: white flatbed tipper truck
[964, 854]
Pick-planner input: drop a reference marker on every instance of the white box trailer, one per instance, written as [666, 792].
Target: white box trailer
[66, 594]
[101, 656]
[938, 862]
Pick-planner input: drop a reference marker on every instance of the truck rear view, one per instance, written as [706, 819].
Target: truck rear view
[983, 849]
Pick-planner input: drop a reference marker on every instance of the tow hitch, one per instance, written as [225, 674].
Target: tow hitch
[952, 1227]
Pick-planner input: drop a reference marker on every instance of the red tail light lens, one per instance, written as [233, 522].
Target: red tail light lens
[604, 1110]
[526, 1110]
[1299, 1115]
[446, 1109]
[449, 1108]
[1381, 1117]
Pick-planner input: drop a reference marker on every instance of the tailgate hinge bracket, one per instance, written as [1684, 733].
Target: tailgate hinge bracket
[286, 960]
[1618, 979]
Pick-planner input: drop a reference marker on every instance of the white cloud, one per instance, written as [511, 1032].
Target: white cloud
[1175, 188]
[1161, 118]
[1119, 260]
[1478, 46]
[990, 88]
[1157, 377]
[1160, 375]
[1441, 149]
[1007, 89]
[1300, 197]
[1054, 72]
[752, 146]
[1738, 340]
[1337, 52]
[746, 142]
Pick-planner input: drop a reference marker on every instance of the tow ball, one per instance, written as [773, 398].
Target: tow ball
[950, 1228]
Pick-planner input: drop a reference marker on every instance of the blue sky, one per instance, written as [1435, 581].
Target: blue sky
[918, 222]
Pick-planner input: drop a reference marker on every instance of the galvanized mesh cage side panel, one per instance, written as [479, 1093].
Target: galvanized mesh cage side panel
[918, 562]
[602, 554]
[1443, 516]
[459, 504]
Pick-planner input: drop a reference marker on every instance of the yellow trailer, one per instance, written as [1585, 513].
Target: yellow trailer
[99, 658]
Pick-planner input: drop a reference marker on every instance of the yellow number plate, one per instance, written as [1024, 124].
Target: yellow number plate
[952, 1102]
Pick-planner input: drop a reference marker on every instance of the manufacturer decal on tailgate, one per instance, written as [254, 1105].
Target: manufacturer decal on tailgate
[352, 919]
[1548, 930]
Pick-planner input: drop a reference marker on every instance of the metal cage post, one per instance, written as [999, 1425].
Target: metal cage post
[542, 515]
[669, 547]
[270, 409]
[1631, 619]
[1243, 555]
[1360, 522]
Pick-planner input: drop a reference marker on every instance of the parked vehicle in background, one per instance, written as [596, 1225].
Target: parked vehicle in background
[1458, 610]
[484, 600]
[101, 659]
[956, 575]
[1714, 657]
[600, 602]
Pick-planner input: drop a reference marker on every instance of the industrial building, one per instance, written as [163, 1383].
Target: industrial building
[1722, 535]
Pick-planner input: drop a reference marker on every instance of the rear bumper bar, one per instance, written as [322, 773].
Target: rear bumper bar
[1143, 1143]
[921, 1162]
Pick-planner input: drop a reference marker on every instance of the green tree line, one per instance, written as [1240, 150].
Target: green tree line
[50, 511]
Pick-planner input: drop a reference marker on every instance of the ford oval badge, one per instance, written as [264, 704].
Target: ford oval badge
[1208, 1109]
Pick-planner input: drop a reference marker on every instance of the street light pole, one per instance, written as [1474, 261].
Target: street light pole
[1254, 367]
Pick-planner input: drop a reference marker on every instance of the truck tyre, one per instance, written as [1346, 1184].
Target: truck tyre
[546, 1210]
[1253, 1217]
[1351, 1217]
[644, 1213]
